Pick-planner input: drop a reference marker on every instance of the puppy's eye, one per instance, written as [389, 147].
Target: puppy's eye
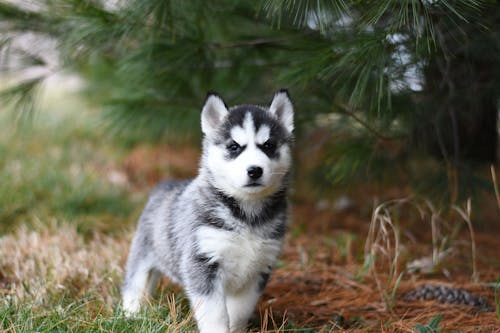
[269, 145]
[233, 147]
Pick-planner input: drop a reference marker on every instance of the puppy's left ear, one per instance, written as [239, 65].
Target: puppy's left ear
[282, 108]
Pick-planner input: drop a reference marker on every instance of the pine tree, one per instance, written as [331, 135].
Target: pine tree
[389, 80]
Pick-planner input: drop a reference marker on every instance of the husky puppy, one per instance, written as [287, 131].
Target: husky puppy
[220, 234]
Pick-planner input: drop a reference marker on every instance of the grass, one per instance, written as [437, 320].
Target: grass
[58, 167]
[86, 316]
[431, 327]
[382, 249]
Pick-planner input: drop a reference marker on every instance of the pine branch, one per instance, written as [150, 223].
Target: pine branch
[348, 111]
[21, 98]
[250, 43]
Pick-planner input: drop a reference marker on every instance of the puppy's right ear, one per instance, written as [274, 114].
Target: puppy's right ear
[213, 113]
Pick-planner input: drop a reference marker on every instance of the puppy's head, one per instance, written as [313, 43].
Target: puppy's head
[247, 147]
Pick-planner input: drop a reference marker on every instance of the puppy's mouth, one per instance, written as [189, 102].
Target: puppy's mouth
[254, 184]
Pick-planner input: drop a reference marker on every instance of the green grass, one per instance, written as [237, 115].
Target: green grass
[58, 166]
[431, 327]
[87, 315]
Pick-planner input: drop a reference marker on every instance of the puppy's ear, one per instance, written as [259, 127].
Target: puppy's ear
[213, 113]
[282, 108]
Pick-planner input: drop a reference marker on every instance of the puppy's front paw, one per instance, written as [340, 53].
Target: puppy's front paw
[131, 307]
[213, 328]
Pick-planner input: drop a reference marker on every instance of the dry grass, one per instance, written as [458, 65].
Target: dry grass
[382, 250]
[52, 278]
[465, 214]
[56, 259]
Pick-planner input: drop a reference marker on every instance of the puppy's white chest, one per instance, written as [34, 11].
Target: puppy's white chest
[242, 255]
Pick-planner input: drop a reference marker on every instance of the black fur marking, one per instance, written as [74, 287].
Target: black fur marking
[234, 150]
[208, 271]
[279, 231]
[273, 206]
[269, 148]
[215, 222]
[260, 117]
[237, 114]
[277, 131]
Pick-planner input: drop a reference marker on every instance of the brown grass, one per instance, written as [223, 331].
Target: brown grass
[56, 259]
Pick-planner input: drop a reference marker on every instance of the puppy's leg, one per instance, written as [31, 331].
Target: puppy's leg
[204, 287]
[240, 307]
[134, 288]
[137, 272]
[210, 312]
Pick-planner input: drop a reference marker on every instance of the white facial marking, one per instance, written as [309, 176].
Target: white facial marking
[244, 135]
[239, 136]
[262, 135]
[248, 124]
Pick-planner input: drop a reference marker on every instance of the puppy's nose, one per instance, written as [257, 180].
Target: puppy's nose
[254, 172]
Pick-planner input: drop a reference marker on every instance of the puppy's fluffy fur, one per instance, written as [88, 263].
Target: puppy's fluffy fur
[220, 234]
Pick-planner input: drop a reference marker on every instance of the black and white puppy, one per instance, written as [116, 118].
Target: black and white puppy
[220, 234]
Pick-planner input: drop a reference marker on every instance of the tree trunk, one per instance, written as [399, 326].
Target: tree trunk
[461, 99]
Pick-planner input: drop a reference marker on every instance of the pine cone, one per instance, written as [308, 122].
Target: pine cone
[447, 295]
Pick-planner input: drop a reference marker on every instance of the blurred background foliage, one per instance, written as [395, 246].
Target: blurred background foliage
[389, 90]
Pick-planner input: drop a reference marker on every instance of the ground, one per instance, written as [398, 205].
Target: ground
[71, 194]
